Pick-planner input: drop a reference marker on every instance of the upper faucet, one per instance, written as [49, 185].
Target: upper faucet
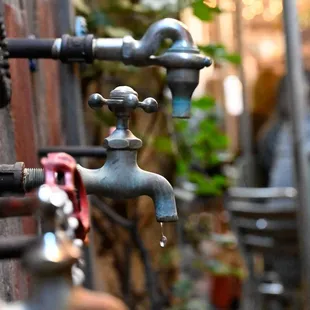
[182, 60]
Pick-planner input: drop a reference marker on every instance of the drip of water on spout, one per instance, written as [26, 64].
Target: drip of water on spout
[163, 239]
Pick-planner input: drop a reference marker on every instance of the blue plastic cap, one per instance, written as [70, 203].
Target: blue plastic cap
[181, 107]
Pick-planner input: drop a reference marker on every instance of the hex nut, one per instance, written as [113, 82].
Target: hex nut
[122, 143]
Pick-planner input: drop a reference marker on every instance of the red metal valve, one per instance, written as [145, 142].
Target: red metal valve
[63, 165]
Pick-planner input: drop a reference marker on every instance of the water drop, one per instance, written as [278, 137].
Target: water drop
[163, 241]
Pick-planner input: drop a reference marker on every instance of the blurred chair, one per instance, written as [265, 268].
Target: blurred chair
[269, 234]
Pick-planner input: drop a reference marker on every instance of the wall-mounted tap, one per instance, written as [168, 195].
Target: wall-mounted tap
[120, 177]
[182, 60]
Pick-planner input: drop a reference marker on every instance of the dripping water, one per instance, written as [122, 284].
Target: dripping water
[163, 239]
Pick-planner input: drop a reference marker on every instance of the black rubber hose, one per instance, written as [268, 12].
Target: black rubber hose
[30, 48]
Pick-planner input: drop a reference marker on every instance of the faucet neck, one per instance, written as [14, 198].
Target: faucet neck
[126, 157]
[122, 123]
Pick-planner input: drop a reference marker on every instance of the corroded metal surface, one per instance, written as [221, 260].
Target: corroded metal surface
[50, 90]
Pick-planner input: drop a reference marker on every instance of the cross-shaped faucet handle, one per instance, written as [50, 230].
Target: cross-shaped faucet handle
[123, 99]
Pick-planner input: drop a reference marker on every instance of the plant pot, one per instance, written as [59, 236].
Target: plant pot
[224, 290]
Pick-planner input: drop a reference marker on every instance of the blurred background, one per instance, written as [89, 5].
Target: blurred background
[237, 111]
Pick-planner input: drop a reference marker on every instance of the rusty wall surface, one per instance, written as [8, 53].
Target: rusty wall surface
[8, 270]
[32, 119]
[40, 111]
[46, 10]
[21, 104]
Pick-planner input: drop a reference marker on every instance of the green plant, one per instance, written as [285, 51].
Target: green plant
[205, 12]
[183, 292]
[200, 148]
[219, 53]
[222, 251]
[220, 265]
[217, 267]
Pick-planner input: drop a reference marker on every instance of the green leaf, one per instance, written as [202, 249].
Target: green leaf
[163, 145]
[206, 185]
[181, 167]
[181, 125]
[213, 50]
[204, 12]
[219, 53]
[233, 58]
[203, 103]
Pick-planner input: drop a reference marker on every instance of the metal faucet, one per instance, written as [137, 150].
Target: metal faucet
[182, 60]
[120, 177]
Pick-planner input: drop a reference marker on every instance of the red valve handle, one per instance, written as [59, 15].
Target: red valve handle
[62, 163]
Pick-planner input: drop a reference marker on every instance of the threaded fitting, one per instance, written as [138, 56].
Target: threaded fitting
[33, 178]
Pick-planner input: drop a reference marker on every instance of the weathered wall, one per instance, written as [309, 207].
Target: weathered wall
[31, 120]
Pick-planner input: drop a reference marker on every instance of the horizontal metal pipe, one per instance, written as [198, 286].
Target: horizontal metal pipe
[30, 48]
[15, 247]
[75, 151]
[108, 49]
